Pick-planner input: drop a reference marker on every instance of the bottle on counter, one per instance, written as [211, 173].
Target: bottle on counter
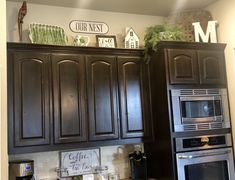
[138, 164]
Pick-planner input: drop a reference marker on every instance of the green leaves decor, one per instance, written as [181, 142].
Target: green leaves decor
[157, 33]
[46, 34]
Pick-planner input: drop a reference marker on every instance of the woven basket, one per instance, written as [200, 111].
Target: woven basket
[186, 18]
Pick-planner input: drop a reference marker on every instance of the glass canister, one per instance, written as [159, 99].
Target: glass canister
[114, 176]
[101, 173]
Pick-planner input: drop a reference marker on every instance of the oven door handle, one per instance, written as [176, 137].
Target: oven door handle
[203, 155]
[195, 98]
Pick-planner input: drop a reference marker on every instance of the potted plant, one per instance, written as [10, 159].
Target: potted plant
[157, 33]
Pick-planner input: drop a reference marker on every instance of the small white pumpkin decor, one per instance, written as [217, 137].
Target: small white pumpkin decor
[131, 40]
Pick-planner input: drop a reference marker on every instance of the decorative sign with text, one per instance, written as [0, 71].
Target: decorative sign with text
[90, 27]
[79, 162]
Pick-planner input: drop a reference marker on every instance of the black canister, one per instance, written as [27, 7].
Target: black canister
[138, 164]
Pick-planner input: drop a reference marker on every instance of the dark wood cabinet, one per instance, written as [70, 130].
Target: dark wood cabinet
[72, 97]
[211, 67]
[29, 117]
[190, 66]
[131, 89]
[176, 66]
[68, 76]
[183, 66]
[102, 97]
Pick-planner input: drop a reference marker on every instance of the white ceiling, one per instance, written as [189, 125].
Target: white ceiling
[147, 7]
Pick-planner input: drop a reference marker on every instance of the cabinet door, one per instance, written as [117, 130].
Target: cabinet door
[69, 98]
[183, 66]
[211, 67]
[130, 75]
[29, 98]
[102, 97]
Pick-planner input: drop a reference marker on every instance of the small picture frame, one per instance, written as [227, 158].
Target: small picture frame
[106, 41]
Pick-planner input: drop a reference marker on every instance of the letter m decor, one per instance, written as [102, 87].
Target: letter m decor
[210, 32]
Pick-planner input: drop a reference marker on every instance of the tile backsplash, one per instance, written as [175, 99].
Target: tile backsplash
[45, 163]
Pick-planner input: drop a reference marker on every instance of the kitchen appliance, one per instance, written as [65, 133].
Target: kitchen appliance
[21, 170]
[203, 142]
[199, 109]
[213, 158]
[216, 164]
[138, 164]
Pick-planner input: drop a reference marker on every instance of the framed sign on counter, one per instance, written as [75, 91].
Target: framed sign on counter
[78, 162]
[106, 41]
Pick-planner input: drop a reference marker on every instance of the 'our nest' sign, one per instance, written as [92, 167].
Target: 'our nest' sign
[90, 27]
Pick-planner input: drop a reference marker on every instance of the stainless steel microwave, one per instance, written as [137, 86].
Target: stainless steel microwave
[199, 109]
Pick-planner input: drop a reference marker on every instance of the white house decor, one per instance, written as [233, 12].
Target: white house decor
[210, 35]
[131, 39]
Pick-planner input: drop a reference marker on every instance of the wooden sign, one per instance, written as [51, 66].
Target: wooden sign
[75, 163]
[90, 27]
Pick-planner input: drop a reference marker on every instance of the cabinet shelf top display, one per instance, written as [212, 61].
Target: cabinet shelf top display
[190, 45]
[75, 49]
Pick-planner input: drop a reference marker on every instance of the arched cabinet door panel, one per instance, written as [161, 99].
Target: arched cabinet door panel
[68, 72]
[211, 67]
[102, 97]
[183, 66]
[29, 114]
[131, 95]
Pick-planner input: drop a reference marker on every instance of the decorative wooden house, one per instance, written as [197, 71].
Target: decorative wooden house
[131, 39]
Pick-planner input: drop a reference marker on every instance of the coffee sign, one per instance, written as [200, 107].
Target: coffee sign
[73, 163]
[90, 27]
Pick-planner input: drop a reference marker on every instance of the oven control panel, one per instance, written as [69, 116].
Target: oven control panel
[203, 142]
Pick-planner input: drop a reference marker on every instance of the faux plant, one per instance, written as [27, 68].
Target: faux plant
[157, 33]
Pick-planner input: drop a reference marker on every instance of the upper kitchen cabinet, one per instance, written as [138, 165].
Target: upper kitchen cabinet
[28, 100]
[183, 66]
[132, 90]
[198, 63]
[102, 97]
[211, 67]
[68, 76]
[62, 97]
[117, 84]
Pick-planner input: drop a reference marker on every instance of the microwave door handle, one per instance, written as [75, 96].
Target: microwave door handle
[195, 98]
[202, 155]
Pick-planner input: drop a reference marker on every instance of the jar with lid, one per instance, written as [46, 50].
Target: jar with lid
[101, 173]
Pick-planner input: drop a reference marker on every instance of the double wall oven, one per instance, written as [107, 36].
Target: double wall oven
[205, 158]
[202, 156]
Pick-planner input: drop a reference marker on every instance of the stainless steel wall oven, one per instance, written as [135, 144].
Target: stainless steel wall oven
[200, 109]
[206, 164]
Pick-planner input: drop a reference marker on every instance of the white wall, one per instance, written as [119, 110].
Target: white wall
[61, 16]
[115, 157]
[46, 162]
[3, 95]
[224, 12]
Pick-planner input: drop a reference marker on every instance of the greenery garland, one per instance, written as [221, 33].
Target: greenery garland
[157, 33]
